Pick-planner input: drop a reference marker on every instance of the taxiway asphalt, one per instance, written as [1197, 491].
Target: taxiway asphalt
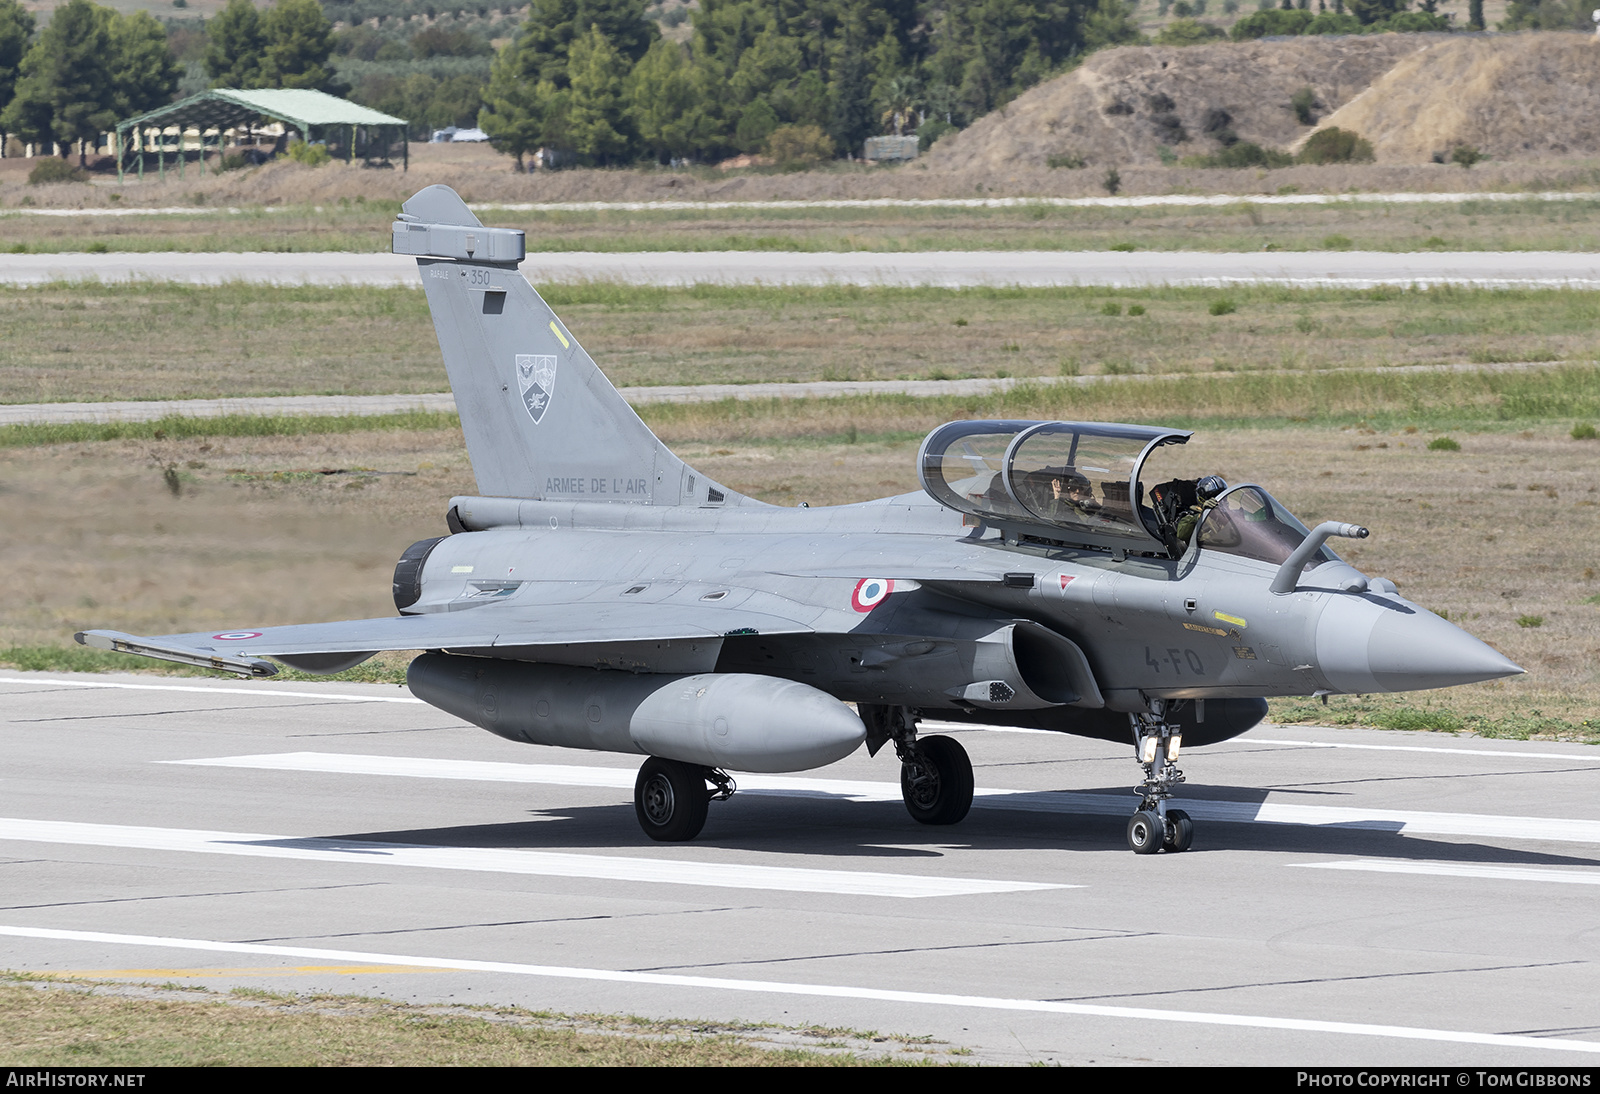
[949, 269]
[1354, 896]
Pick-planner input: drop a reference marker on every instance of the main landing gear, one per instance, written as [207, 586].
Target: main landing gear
[1156, 827]
[935, 773]
[671, 797]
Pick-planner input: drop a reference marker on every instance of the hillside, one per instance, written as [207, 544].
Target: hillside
[1513, 97]
[1523, 96]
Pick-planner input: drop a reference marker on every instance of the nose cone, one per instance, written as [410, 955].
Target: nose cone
[1366, 646]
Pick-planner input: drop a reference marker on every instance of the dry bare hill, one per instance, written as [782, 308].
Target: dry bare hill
[1122, 105]
[1524, 96]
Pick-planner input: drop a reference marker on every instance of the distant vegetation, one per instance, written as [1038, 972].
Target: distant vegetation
[605, 82]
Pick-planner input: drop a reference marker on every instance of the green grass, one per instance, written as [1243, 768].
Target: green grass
[386, 668]
[1396, 712]
[51, 1023]
[75, 343]
[178, 426]
[358, 226]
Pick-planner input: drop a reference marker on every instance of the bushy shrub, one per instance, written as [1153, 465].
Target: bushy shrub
[1583, 431]
[311, 155]
[1333, 22]
[932, 130]
[1302, 102]
[799, 145]
[231, 162]
[50, 169]
[1465, 155]
[1066, 159]
[1410, 22]
[1335, 145]
[1188, 32]
[1223, 306]
[1271, 23]
[1444, 444]
[1241, 154]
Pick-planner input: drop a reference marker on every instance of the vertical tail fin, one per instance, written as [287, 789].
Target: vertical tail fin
[541, 420]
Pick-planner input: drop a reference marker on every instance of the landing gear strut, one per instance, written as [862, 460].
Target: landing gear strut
[935, 773]
[670, 798]
[1155, 826]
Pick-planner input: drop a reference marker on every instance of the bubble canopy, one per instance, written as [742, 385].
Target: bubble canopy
[1072, 481]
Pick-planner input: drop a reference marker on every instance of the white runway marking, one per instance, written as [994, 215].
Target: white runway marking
[1458, 869]
[723, 875]
[1403, 821]
[268, 693]
[1505, 754]
[827, 991]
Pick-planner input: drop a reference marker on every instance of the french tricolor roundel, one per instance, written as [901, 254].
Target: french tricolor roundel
[870, 592]
[237, 636]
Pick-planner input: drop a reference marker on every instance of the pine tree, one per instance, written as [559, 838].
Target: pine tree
[234, 53]
[298, 41]
[16, 32]
[66, 90]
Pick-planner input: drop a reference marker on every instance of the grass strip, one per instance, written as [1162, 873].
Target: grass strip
[1480, 400]
[109, 1024]
[182, 426]
[1387, 712]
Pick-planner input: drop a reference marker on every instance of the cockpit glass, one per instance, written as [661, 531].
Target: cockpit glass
[1072, 478]
[966, 471]
[1249, 522]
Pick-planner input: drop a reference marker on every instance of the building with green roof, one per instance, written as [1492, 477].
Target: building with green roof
[314, 115]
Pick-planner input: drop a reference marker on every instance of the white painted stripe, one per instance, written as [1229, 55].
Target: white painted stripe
[1499, 753]
[825, 991]
[270, 693]
[1458, 869]
[1405, 821]
[723, 875]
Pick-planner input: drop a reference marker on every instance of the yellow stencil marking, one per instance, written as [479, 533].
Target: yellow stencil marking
[555, 330]
[1203, 629]
[1226, 618]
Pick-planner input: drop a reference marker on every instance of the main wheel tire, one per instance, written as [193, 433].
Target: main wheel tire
[1146, 833]
[670, 799]
[1180, 830]
[937, 783]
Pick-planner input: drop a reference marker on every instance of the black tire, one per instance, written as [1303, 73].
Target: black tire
[670, 799]
[1180, 831]
[937, 783]
[1146, 833]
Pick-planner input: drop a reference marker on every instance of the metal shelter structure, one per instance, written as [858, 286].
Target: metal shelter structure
[315, 115]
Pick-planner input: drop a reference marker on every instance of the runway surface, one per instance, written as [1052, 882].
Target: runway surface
[950, 269]
[1353, 897]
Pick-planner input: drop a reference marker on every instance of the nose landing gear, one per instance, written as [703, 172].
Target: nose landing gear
[1156, 827]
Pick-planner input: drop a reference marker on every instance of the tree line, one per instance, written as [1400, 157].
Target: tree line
[596, 80]
[91, 67]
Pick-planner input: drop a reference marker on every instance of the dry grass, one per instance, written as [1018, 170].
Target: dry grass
[44, 1024]
[1519, 96]
[482, 175]
[73, 343]
[1501, 530]
[360, 225]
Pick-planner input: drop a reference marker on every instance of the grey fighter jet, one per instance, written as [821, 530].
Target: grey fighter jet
[602, 594]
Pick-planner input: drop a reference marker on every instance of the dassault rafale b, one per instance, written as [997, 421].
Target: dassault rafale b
[601, 594]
